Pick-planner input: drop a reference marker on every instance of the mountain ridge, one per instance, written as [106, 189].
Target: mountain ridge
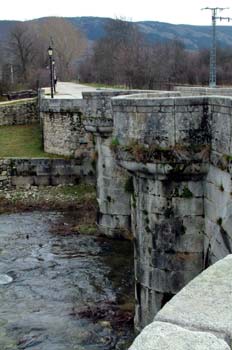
[194, 37]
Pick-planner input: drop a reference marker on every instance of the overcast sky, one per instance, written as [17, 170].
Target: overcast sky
[171, 11]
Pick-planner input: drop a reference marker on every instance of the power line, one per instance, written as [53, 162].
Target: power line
[213, 58]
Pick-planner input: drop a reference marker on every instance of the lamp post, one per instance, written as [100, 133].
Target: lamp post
[54, 74]
[50, 53]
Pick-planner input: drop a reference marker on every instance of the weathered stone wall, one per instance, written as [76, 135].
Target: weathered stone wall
[218, 184]
[114, 216]
[164, 143]
[173, 154]
[114, 202]
[19, 112]
[202, 91]
[63, 129]
[5, 174]
[198, 317]
[42, 172]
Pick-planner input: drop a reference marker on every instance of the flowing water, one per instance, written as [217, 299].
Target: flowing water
[62, 291]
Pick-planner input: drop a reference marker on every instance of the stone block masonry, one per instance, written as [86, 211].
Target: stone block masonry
[114, 216]
[19, 112]
[163, 171]
[178, 152]
[43, 172]
[5, 174]
[63, 129]
[198, 317]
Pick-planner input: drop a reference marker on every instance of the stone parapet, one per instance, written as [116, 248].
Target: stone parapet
[63, 129]
[178, 151]
[198, 317]
[203, 91]
[19, 112]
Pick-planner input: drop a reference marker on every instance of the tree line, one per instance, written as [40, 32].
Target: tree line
[24, 54]
[124, 57]
[121, 58]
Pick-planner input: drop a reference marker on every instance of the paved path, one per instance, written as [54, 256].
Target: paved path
[70, 90]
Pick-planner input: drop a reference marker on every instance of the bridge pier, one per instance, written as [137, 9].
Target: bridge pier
[168, 228]
[168, 162]
[114, 215]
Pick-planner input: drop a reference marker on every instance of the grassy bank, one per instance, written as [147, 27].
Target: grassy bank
[80, 198]
[67, 197]
[22, 141]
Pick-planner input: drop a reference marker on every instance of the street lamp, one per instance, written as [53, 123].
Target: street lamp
[50, 53]
[54, 74]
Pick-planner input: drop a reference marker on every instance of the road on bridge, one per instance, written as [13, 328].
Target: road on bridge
[70, 90]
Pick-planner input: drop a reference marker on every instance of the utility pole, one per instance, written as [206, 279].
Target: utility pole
[213, 72]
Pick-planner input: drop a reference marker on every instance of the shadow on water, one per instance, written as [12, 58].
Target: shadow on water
[69, 291]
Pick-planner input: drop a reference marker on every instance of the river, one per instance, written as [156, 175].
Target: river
[68, 291]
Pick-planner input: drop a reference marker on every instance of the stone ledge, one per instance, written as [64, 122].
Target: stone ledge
[166, 336]
[205, 303]
[198, 317]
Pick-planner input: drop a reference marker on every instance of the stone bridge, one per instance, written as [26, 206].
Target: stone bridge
[163, 164]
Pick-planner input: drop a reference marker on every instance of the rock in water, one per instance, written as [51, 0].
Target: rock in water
[5, 279]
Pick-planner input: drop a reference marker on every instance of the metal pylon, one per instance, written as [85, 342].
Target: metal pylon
[213, 53]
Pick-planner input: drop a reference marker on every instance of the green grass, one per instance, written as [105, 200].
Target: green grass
[22, 141]
[81, 190]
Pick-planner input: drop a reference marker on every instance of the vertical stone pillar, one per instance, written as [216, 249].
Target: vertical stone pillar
[114, 217]
[114, 202]
[169, 238]
[218, 185]
[164, 144]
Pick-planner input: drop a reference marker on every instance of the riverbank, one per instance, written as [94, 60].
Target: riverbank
[80, 198]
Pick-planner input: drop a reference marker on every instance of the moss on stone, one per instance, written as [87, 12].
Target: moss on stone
[186, 193]
[145, 153]
[86, 229]
[168, 212]
[114, 144]
[129, 185]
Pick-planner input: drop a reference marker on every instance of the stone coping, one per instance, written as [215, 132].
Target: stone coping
[205, 303]
[151, 94]
[203, 89]
[204, 306]
[112, 92]
[165, 336]
[61, 105]
[170, 99]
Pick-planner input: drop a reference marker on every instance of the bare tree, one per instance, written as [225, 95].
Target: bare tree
[22, 49]
[116, 56]
[68, 43]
